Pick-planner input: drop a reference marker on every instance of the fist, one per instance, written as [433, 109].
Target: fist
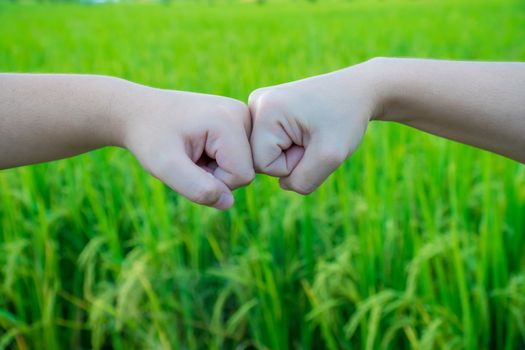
[303, 130]
[197, 144]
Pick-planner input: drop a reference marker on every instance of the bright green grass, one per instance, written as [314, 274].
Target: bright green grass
[414, 243]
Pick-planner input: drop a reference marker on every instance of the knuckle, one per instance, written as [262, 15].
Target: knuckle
[244, 178]
[260, 168]
[254, 97]
[269, 168]
[302, 188]
[236, 109]
[205, 194]
[273, 100]
[230, 108]
[235, 112]
[269, 102]
[248, 177]
[259, 156]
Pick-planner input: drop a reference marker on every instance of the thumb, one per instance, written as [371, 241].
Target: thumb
[321, 157]
[194, 183]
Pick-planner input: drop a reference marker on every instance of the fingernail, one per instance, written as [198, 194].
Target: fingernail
[225, 201]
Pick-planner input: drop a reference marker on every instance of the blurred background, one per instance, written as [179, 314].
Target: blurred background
[414, 243]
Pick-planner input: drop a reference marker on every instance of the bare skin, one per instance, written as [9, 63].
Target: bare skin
[197, 144]
[303, 130]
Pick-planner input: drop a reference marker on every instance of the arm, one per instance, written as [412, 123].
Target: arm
[47, 117]
[195, 143]
[305, 129]
[478, 103]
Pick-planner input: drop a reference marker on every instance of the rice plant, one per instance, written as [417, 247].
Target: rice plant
[415, 243]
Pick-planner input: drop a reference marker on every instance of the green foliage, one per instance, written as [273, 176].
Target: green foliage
[415, 243]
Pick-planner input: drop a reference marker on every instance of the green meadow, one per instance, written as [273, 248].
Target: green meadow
[414, 243]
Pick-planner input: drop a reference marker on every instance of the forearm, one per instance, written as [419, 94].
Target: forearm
[477, 103]
[46, 117]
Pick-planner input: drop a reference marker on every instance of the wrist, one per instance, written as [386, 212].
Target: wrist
[380, 74]
[123, 103]
[366, 83]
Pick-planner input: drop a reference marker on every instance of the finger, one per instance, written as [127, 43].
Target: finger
[194, 183]
[321, 157]
[233, 156]
[253, 99]
[294, 154]
[269, 141]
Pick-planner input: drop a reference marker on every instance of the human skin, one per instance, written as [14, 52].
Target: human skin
[195, 143]
[303, 130]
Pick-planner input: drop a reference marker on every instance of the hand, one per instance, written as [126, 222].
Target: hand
[303, 130]
[195, 143]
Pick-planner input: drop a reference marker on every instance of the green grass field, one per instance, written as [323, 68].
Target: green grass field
[415, 243]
